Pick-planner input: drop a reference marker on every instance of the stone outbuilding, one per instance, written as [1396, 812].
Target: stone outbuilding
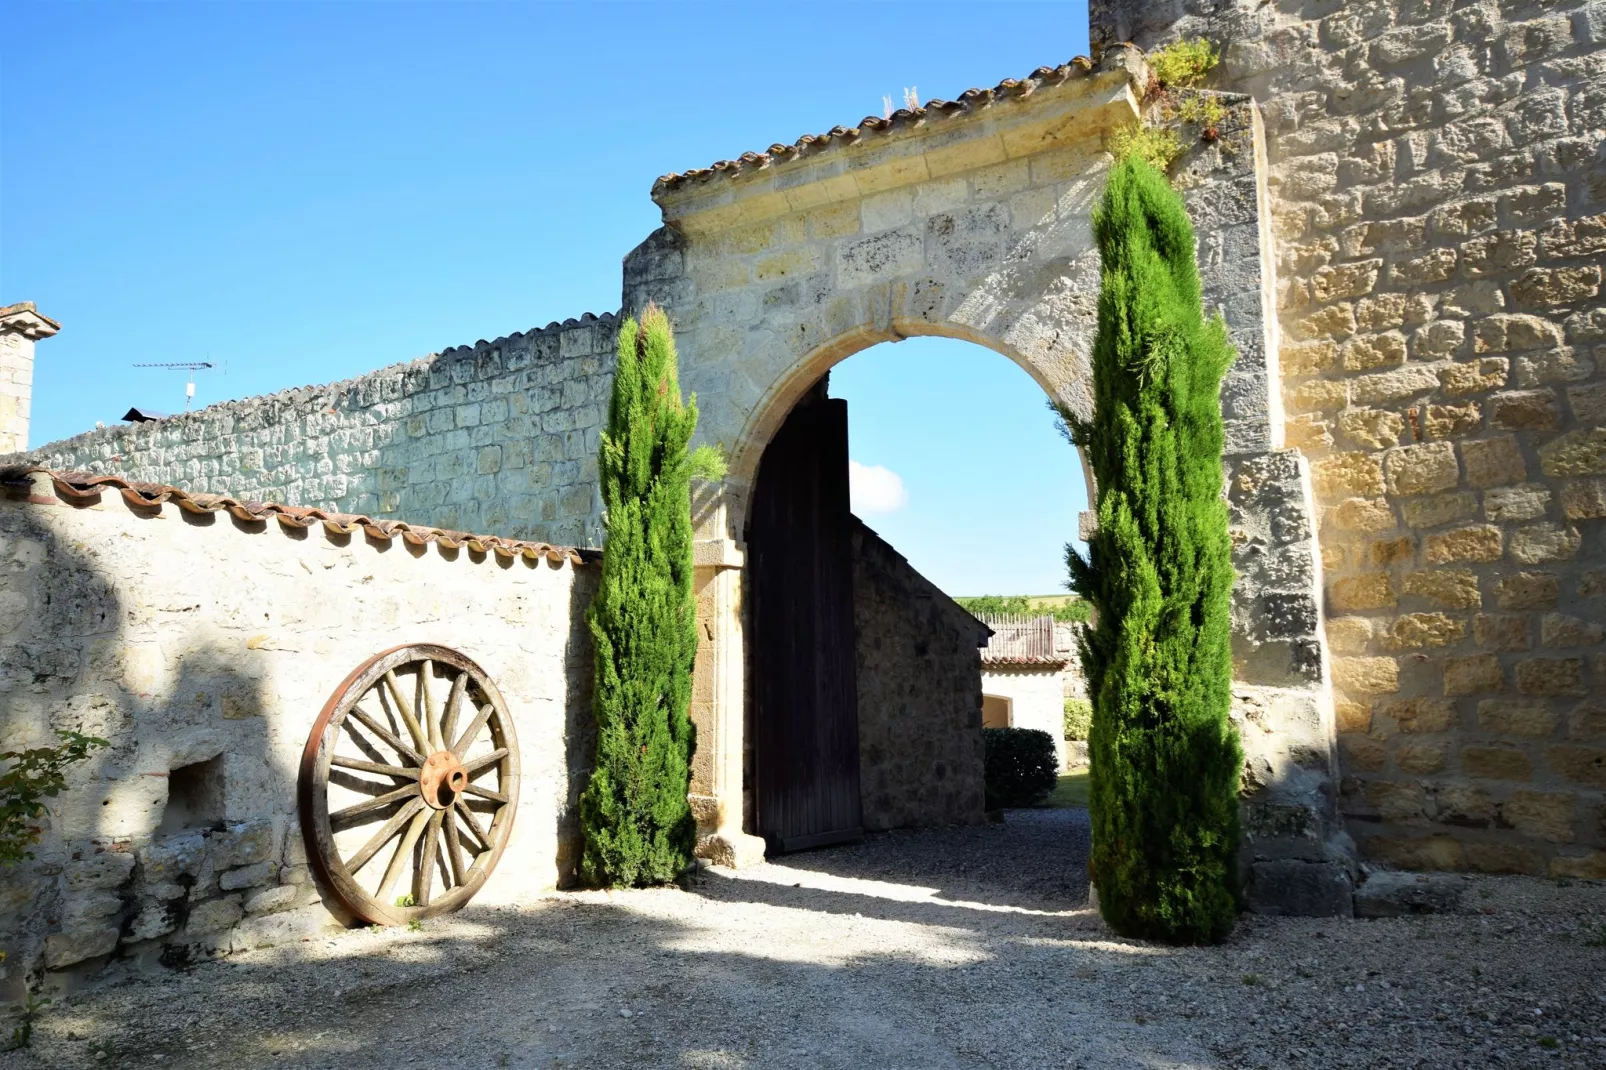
[1025, 676]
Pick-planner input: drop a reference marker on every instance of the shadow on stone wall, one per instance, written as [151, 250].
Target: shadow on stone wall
[173, 834]
[580, 727]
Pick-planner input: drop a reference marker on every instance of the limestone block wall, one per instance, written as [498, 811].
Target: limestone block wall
[919, 674]
[499, 437]
[21, 326]
[184, 639]
[1438, 189]
[16, 389]
[1037, 699]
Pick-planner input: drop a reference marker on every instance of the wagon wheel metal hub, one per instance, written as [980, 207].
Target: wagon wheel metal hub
[441, 780]
[409, 783]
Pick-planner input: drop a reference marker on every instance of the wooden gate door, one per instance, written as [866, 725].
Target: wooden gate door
[805, 696]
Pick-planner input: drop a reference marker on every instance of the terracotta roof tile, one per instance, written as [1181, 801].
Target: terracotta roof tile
[1022, 641]
[970, 100]
[86, 487]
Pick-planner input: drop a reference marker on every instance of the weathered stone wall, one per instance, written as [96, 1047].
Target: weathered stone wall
[16, 390]
[499, 437]
[1037, 697]
[21, 326]
[183, 639]
[1438, 186]
[919, 673]
[973, 219]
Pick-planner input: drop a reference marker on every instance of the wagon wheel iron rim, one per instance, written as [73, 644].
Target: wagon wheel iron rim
[409, 783]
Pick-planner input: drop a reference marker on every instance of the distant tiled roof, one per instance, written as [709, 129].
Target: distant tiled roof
[970, 100]
[1024, 641]
[83, 487]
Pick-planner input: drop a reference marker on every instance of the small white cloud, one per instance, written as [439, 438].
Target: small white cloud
[874, 489]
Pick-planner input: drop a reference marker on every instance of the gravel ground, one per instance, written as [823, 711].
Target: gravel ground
[945, 948]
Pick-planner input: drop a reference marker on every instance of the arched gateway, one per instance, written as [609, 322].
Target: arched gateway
[969, 219]
[973, 219]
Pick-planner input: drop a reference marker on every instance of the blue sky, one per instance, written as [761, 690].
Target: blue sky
[311, 191]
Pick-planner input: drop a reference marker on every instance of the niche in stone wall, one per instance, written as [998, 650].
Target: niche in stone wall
[194, 797]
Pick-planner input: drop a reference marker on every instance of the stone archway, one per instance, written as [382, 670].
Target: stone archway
[972, 219]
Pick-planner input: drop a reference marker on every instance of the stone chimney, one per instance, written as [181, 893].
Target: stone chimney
[20, 327]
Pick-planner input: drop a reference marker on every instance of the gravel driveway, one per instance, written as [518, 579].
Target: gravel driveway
[944, 948]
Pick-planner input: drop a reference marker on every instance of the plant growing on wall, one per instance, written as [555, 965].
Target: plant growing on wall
[1181, 65]
[635, 818]
[32, 776]
[1165, 759]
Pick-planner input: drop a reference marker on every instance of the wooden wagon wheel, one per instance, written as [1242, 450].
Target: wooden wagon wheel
[416, 743]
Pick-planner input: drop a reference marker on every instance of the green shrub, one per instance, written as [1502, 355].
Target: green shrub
[637, 824]
[1165, 759]
[31, 777]
[1021, 605]
[1157, 146]
[1183, 63]
[1021, 766]
[1078, 717]
[1202, 109]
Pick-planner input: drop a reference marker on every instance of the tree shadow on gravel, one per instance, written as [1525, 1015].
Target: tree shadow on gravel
[600, 983]
[1035, 860]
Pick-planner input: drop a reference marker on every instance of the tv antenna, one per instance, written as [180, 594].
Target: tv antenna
[192, 367]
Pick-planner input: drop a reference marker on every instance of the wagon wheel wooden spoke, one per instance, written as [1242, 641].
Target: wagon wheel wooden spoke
[484, 761]
[485, 793]
[375, 767]
[454, 850]
[407, 716]
[471, 732]
[386, 831]
[415, 831]
[454, 703]
[384, 733]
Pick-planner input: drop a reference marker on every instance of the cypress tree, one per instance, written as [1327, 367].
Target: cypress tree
[636, 821]
[1165, 758]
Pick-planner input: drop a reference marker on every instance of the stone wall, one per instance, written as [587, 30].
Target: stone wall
[184, 639]
[21, 326]
[919, 672]
[499, 437]
[1438, 187]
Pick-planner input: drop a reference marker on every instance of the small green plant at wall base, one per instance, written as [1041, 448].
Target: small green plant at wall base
[32, 776]
[636, 822]
[1078, 718]
[27, 1014]
[1184, 63]
[1165, 760]
[1157, 146]
[1021, 768]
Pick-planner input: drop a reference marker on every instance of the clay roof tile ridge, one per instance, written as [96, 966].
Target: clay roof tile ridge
[1009, 88]
[86, 487]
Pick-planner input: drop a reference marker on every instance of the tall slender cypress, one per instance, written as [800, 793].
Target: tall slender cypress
[637, 824]
[1165, 759]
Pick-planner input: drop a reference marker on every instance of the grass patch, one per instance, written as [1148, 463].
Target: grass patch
[1070, 791]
